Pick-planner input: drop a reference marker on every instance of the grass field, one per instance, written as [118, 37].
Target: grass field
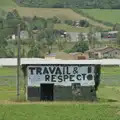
[62, 13]
[69, 28]
[8, 3]
[107, 108]
[59, 111]
[112, 16]
[108, 90]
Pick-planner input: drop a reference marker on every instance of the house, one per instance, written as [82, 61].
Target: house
[61, 80]
[58, 55]
[107, 52]
[51, 56]
[109, 35]
[24, 35]
[75, 36]
[79, 56]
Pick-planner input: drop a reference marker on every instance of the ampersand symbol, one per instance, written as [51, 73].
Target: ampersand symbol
[75, 71]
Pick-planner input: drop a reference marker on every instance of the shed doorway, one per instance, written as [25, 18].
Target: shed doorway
[46, 93]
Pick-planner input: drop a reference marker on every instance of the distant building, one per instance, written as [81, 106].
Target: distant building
[13, 37]
[109, 35]
[107, 52]
[75, 36]
[61, 80]
[51, 56]
[67, 56]
[79, 56]
[24, 35]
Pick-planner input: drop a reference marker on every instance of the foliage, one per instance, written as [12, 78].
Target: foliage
[34, 50]
[56, 20]
[69, 22]
[116, 27]
[80, 23]
[84, 23]
[72, 3]
[92, 39]
[118, 38]
[80, 46]
[70, 28]
[61, 43]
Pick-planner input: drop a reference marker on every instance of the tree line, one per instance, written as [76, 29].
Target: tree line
[102, 4]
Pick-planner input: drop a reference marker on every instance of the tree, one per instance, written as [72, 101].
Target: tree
[118, 38]
[50, 39]
[69, 22]
[81, 37]
[79, 47]
[116, 27]
[38, 23]
[3, 44]
[84, 23]
[61, 43]
[92, 38]
[34, 50]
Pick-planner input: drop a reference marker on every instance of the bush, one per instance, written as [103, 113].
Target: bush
[84, 23]
[79, 47]
[69, 22]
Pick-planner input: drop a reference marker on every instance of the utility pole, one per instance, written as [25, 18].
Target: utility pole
[18, 62]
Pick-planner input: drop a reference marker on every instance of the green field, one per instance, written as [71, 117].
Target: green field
[107, 107]
[62, 13]
[109, 15]
[108, 90]
[69, 28]
[7, 3]
[59, 111]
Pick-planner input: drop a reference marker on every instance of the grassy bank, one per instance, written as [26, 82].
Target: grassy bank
[108, 15]
[59, 111]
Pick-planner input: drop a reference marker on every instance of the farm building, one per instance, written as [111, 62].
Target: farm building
[106, 52]
[61, 79]
[67, 56]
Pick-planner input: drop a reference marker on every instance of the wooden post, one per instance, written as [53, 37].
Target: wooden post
[18, 64]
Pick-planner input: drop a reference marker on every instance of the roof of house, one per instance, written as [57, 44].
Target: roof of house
[105, 49]
[34, 61]
[76, 53]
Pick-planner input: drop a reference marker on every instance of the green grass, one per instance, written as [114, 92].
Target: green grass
[58, 111]
[69, 28]
[62, 13]
[112, 16]
[5, 3]
[107, 108]
[8, 71]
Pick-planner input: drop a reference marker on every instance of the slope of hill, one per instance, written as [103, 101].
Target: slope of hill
[63, 14]
[112, 16]
[71, 3]
[5, 3]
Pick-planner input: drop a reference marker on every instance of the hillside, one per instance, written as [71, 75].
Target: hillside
[62, 13]
[71, 3]
[112, 16]
[7, 3]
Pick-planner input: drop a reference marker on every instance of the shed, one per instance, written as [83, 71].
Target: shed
[57, 80]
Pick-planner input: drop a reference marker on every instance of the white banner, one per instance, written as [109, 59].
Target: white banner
[63, 75]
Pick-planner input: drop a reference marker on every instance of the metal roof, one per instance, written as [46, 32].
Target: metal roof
[13, 61]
